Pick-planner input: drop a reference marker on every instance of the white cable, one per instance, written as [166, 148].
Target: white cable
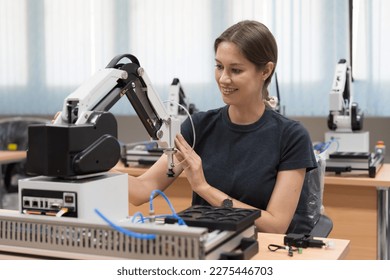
[62, 212]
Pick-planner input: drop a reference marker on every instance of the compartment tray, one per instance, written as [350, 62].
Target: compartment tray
[218, 218]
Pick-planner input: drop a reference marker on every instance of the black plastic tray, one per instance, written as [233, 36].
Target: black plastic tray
[217, 218]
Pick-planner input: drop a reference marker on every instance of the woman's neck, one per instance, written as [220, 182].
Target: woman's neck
[246, 115]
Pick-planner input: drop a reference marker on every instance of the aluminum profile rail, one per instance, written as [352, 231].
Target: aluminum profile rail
[74, 238]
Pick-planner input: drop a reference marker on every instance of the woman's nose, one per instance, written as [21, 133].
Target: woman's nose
[225, 78]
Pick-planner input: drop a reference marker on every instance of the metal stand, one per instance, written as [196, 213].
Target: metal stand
[2, 187]
[383, 235]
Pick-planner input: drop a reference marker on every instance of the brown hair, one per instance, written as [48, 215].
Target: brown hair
[255, 42]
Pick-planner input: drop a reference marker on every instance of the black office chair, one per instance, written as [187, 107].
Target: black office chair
[315, 180]
[323, 227]
[15, 131]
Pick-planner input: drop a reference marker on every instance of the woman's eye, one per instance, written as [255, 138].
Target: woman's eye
[218, 67]
[236, 71]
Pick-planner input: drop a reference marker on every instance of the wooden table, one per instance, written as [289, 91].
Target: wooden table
[359, 208]
[5, 158]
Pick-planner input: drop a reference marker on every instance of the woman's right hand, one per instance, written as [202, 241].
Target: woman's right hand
[191, 164]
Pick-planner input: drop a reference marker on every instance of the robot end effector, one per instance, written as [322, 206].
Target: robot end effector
[344, 115]
[83, 138]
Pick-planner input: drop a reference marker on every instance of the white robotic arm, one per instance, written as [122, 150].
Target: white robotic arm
[79, 140]
[83, 101]
[344, 115]
[170, 124]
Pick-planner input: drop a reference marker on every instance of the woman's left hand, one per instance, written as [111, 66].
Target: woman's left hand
[191, 163]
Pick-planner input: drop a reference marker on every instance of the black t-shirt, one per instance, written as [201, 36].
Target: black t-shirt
[243, 160]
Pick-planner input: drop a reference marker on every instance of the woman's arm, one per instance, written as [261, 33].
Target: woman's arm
[283, 203]
[154, 178]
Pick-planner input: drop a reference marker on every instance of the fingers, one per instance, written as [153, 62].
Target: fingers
[179, 156]
[185, 152]
[181, 143]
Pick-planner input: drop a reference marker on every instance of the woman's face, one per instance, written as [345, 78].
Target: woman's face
[238, 79]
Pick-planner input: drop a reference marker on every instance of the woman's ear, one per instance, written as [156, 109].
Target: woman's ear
[267, 71]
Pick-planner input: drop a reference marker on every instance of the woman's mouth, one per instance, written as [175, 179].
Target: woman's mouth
[228, 91]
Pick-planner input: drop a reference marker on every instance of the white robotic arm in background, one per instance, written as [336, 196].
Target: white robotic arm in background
[344, 115]
[345, 120]
[178, 102]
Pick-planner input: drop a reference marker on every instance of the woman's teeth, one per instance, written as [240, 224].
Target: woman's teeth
[228, 90]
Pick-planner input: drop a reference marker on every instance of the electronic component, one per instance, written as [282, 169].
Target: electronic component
[302, 241]
[140, 153]
[51, 196]
[49, 202]
[339, 162]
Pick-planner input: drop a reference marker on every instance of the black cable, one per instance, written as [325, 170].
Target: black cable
[290, 249]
